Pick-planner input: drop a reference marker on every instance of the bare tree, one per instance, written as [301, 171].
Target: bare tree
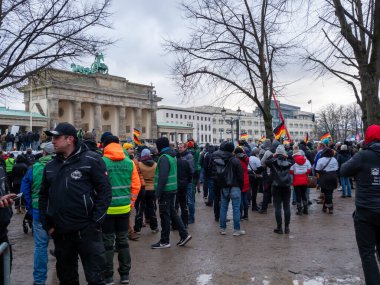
[351, 30]
[341, 121]
[234, 48]
[35, 34]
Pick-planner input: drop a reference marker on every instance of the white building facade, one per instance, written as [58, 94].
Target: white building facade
[209, 126]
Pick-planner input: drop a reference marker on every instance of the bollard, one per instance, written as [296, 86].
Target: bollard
[6, 256]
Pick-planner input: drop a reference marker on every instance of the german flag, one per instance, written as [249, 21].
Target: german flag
[306, 140]
[279, 131]
[136, 140]
[136, 132]
[243, 136]
[325, 136]
[263, 138]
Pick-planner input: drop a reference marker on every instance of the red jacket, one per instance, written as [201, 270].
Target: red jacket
[244, 160]
[300, 170]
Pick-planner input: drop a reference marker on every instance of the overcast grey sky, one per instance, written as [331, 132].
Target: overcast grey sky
[141, 27]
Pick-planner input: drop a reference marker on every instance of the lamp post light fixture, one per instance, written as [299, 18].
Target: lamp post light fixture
[231, 121]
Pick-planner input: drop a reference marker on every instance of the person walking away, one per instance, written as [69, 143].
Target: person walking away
[75, 185]
[36, 140]
[281, 180]
[165, 184]
[327, 167]
[255, 170]
[300, 170]
[125, 183]
[9, 164]
[148, 204]
[129, 150]
[365, 166]
[343, 156]
[184, 178]
[244, 160]
[18, 172]
[230, 176]
[185, 154]
[207, 169]
[30, 187]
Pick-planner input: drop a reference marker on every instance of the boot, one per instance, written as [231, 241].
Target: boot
[305, 209]
[278, 230]
[245, 216]
[287, 231]
[299, 211]
[331, 209]
[324, 208]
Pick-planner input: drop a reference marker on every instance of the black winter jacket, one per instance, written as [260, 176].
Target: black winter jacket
[279, 170]
[365, 165]
[18, 172]
[5, 213]
[75, 192]
[184, 175]
[236, 165]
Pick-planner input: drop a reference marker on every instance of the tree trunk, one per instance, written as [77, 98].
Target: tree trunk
[370, 91]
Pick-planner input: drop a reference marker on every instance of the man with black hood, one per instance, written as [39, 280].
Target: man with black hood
[230, 176]
[165, 184]
[365, 165]
[74, 197]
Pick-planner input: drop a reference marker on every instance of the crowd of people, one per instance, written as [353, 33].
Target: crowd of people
[82, 193]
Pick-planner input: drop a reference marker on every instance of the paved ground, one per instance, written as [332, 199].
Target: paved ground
[320, 250]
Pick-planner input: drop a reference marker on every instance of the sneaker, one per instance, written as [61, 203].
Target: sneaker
[160, 245]
[124, 279]
[238, 233]
[223, 231]
[184, 241]
[109, 281]
[155, 231]
[137, 232]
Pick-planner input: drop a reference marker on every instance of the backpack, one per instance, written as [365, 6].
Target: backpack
[281, 174]
[224, 172]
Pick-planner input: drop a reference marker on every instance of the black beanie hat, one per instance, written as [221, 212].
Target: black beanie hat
[227, 146]
[104, 135]
[162, 143]
[110, 139]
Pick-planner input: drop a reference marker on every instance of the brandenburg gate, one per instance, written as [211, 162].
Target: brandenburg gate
[93, 100]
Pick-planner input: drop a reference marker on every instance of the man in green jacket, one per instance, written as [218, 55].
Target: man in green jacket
[165, 185]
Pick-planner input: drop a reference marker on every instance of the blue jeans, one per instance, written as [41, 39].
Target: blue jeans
[345, 182]
[233, 194]
[41, 242]
[191, 203]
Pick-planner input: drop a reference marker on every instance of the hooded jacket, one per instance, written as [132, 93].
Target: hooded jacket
[236, 165]
[244, 160]
[280, 170]
[163, 168]
[115, 153]
[365, 166]
[300, 169]
[75, 192]
[5, 213]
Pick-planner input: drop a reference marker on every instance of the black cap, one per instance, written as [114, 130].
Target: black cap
[63, 129]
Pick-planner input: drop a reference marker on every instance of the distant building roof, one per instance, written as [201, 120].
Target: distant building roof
[18, 113]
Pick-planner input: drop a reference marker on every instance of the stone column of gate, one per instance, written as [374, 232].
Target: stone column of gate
[138, 119]
[78, 115]
[98, 120]
[53, 106]
[122, 122]
[153, 124]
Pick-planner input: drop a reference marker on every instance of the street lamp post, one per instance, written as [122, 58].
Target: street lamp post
[231, 121]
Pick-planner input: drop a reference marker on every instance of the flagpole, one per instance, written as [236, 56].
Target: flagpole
[280, 114]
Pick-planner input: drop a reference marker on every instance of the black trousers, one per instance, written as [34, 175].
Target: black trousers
[281, 200]
[166, 205]
[4, 239]
[88, 244]
[217, 199]
[147, 206]
[267, 194]
[254, 187]
[181, 203]
[300, 195]
[367, 230]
